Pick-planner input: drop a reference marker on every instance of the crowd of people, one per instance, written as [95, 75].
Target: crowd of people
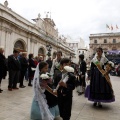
[54, 81]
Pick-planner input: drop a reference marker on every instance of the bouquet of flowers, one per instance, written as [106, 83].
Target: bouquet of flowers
[67, 69]
[45, 78]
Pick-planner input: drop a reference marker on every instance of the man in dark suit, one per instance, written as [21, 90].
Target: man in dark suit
[14, 69]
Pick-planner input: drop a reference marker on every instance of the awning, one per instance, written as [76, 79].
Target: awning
[113, 52]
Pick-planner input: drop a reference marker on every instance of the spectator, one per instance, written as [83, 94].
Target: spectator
[24, 66]
[31, 69]
[3, 66]
[14, 69]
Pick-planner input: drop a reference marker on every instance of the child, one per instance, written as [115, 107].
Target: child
[39, 109]
[65, 91]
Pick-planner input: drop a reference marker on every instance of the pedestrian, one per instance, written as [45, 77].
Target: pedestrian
[14, 70]
[55, 70]
[23, 70]
[100, 89]
[82, 73]
[31, 69]
[3, 66]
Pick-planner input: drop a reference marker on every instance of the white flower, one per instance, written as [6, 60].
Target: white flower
[69, 69]
[44, 76]
[111, 63]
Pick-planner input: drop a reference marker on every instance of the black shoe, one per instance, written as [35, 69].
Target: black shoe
[94, 104]
[1, 90]
[30, 85]
[22, 86]
[99, 105]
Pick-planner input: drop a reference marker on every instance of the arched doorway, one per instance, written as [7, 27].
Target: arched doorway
[41, 52]
[20, 46]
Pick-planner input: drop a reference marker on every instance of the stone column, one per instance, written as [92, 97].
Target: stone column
[28, 46]
[7, 44]
[2, 38]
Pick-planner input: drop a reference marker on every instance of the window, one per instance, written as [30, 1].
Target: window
[105, 40]
[95, 41]
[114, 40]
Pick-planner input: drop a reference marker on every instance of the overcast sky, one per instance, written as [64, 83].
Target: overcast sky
[76, 18]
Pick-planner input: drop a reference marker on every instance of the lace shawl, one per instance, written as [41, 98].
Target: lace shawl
[40, 97]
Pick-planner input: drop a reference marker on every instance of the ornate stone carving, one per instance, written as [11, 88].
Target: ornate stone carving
[6, 3]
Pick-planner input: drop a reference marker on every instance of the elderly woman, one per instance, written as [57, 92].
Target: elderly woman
[3, 66]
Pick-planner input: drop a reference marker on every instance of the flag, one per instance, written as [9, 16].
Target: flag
[107, 26]
[111, 27]
[117, 27]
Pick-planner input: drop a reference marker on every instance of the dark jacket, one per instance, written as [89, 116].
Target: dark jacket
[83, 67]
[49, 63]
[3, 66]
[31, 65]
[24, 64]
[70, 85]
[13, 63]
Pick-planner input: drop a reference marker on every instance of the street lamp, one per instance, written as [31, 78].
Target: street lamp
[70, 56]
[49, 48]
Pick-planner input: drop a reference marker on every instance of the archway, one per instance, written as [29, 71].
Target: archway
[20, 46]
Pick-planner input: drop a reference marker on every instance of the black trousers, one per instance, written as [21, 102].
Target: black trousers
[22, 75]
[13, 78]
[0, 80]
[82, 81]
[65, 106]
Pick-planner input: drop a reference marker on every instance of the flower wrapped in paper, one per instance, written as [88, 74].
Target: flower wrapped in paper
[66, 70]
[45, 79]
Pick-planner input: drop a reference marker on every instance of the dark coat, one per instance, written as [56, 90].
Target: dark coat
[3, 66]
[31, 65]
[24, 64]
[13, 63]
[49, 63]
[83, 67]
[70, 85]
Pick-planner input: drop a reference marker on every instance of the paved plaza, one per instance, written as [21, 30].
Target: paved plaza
[15, 105]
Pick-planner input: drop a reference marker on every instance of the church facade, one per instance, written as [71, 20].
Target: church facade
[18, 33]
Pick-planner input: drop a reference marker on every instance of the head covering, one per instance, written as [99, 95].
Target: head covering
[40, 97]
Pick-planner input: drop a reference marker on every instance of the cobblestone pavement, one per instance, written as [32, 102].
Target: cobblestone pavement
[15, 105]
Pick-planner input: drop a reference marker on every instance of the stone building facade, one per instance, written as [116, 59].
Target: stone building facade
[108, 41]
[79, 48]
[18, 33]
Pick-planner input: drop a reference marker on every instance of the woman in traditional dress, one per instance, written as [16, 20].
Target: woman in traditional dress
[100, 89]
[40, 109]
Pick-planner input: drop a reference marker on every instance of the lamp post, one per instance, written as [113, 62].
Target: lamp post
[70, 56]
[49, 48]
